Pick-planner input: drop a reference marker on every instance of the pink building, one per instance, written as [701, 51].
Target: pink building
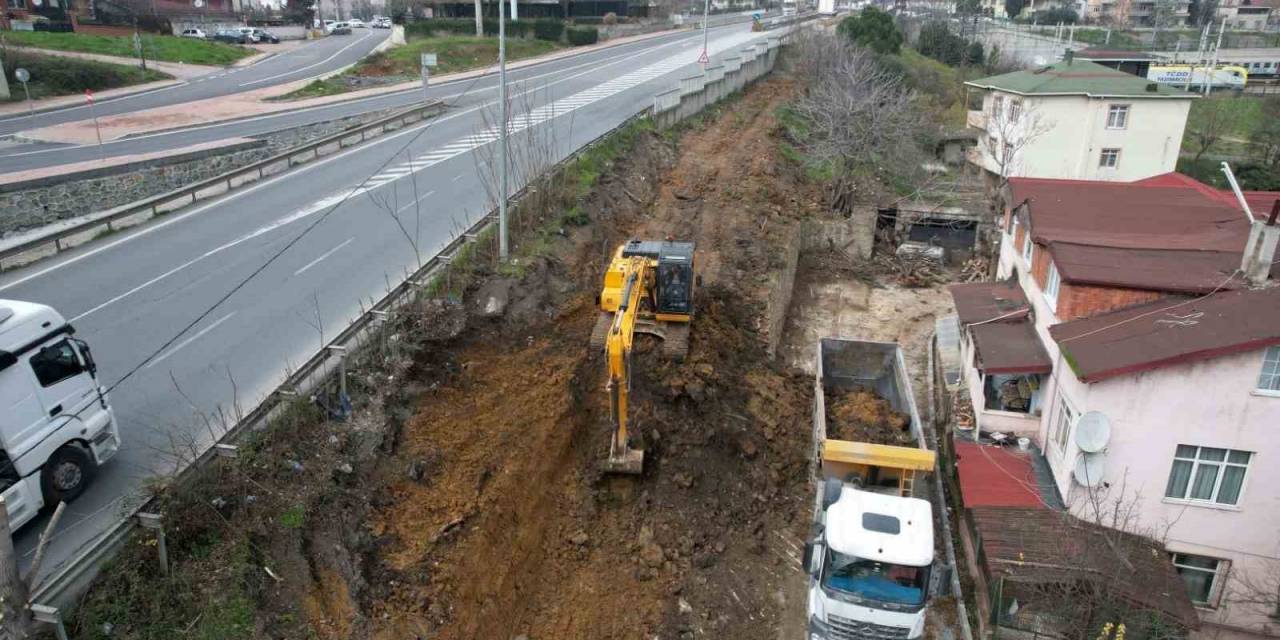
[1152, 308]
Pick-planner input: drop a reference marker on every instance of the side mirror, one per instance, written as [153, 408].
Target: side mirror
[7, 360]
[813, 552]
[87, 355]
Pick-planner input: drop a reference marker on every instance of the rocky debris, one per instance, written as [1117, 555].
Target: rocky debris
[491, 299]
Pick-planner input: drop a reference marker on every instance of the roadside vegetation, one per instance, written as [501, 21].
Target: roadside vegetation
[163, 48]
[55, 76]
[1243, 130]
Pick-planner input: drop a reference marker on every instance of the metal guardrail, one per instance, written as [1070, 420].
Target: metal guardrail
[59, 587]
[134, 213]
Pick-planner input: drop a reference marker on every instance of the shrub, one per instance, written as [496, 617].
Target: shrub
[548, 29]
[874, 29]
[425, 28]
[514, 29]
[579, 36]
[610, 18]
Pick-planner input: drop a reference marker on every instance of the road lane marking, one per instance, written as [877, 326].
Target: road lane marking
[188, 341]
[322, 257]
[314, 64]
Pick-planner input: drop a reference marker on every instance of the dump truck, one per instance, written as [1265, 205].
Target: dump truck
[56, 424]
[870, 557]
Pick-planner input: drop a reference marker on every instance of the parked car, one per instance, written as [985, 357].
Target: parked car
[249, 34]
[266, 36]
[340, 29]
[328, 24]
[232, 36]
[384, 23]
[198, 34]
[356, 24]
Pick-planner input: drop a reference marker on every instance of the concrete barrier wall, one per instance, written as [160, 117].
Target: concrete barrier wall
[695, 93]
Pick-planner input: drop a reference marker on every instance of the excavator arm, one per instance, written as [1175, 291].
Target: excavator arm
[623, 459]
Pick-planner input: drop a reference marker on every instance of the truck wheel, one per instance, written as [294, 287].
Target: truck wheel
[66, 474]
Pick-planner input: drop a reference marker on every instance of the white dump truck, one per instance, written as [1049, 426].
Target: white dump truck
[56, 426]
[870, 558]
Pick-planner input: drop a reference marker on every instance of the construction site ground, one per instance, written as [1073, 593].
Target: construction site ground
[469, 501]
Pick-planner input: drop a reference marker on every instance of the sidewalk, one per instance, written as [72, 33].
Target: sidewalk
[75, 100]
[254, 103]
[176, 69]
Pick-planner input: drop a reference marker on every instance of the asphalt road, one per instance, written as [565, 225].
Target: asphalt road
[310, 59]
[23, 157]
[372, 213]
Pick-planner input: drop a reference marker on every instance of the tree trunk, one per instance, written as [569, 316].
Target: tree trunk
[15, 620]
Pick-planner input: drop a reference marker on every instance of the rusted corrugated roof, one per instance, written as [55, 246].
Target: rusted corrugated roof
[996, 477]
[1043, 546]
[1169, 331]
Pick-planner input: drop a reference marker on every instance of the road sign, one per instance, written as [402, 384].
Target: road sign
[703, 59]
[428, 59]
[21, 74]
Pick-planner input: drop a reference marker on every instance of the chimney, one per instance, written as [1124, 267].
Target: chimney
[1260, 250]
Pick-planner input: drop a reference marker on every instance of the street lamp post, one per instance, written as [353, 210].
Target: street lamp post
[503, 245]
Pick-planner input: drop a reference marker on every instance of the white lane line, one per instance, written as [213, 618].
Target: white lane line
[314, 64]
[457, 177]
[322, 257]
[188, 341]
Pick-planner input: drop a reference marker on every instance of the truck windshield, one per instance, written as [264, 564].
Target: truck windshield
[880, 582]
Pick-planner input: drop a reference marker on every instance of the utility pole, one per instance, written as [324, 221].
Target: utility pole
[706, 55]
[503, 245]
[1213, 66]
[515, 11]
[14, 617]
[480, 19]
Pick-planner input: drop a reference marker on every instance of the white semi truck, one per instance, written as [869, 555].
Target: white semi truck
[56, 425]
[870, 558]
[827, 7]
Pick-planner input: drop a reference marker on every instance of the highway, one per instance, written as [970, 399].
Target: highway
[307, 60]
[462, 92]
[369, 215]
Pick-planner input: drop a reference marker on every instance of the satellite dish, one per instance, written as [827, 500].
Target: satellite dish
[1040, 61]
[1093, 431]
[198, 3]
[1089, 469]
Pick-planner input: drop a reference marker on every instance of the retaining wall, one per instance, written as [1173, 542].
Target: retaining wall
[697, 92]
[35, 203]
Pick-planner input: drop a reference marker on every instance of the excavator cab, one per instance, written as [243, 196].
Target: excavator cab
[648, 288]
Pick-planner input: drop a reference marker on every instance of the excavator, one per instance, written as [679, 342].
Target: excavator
[648, 289]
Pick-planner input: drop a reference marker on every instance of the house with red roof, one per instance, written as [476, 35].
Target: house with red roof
[1133, 334]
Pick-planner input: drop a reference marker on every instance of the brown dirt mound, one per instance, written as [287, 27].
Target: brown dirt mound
[863, 416]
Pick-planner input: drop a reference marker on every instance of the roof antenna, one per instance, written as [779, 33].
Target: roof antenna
[1235, 186]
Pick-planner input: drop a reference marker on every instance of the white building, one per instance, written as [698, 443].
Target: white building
[1077, 120]
[1127, 300]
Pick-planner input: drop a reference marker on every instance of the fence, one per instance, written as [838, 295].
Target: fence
[45, 244]
[715, 82]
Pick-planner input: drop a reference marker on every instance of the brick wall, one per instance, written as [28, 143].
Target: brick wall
[1082, 301]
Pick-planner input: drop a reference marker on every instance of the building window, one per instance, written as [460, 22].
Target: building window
[1028, 248]
[1118, 116]
[1052, 283]
[991, 145]
[997, 106]
[17, 4]
[1207, 474]
[1269, 379]
[1062, 426]
[1202, 575]
[1015, 110]
[1109, 158]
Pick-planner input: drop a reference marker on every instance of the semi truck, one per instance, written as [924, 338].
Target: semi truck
[827, 7]
[870, 556]
[56, 424]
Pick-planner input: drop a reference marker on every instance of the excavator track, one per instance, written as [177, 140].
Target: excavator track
[675, 344]
[600, 332]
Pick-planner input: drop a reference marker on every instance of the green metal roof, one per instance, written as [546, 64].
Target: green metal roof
[1078, 77]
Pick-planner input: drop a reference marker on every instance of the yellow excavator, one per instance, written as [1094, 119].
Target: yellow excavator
[648, 289]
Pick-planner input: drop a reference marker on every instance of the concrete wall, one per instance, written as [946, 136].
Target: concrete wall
[1071, 132]
[697, 92]
[33, 204]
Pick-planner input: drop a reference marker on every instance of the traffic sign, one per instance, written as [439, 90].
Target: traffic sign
[703, 59]
[21, 74]
[428, 59]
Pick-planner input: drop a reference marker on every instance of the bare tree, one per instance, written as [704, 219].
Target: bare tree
[1211, 129]
[854, 118]
[1012, 125]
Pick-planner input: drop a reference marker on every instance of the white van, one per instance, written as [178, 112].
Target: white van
[56, 425]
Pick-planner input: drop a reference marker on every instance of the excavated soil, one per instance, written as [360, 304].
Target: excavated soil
[863, 416]
[508, 528]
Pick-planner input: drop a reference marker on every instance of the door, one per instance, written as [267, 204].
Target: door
[63, 383]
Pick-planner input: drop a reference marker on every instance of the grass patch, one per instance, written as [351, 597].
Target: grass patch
[1243, 114]
[52, 76]
[165, 48]
[294, 517]
[318, 88]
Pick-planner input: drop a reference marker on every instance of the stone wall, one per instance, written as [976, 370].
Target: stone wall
[32, 204]
[697, 92]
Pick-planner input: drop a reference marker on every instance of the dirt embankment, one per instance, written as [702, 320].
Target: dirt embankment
[514, 531]
[468, 501]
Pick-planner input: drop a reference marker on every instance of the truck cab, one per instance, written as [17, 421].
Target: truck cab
[56, 425]
[870, 563]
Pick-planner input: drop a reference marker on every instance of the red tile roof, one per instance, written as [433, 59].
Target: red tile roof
[1165, 233]
[1169, 331]
[995, 477]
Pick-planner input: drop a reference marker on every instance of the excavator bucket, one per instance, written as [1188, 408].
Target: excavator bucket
[627, 461]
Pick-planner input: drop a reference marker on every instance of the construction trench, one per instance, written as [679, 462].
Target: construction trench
[465, 500]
